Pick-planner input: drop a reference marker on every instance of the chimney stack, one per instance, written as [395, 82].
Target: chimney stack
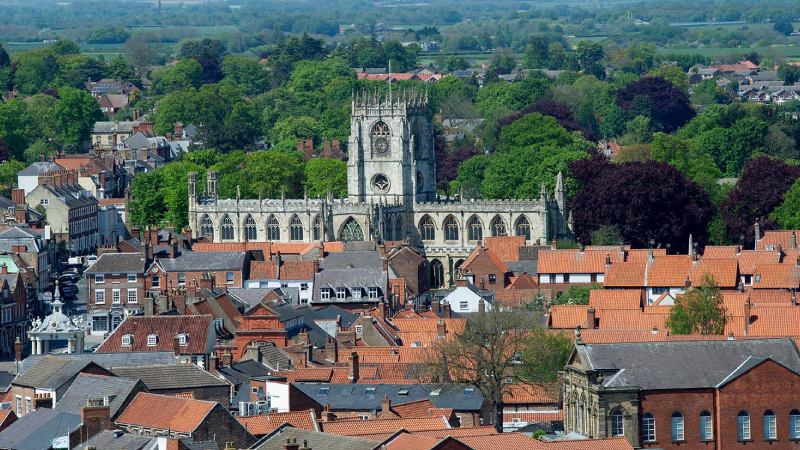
[291, 444]
[176, 345]
[96, 417]
[746, 315]
[590, 318]
[793, 241]
[17, 350]
[441, 329]
[353, 366]
[385, 264]
[173, 249]
[302, 338]
[436, 305]
[481, 305]
[327, 414]
[447, 312]
[315, 265]
[386, 406]
[332, 350]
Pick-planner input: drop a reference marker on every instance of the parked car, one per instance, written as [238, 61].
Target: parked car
[71, 286]
[68, 295]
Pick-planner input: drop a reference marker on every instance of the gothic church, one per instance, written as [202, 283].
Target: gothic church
[391, 173]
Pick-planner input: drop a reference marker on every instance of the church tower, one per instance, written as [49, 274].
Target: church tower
[390, 153]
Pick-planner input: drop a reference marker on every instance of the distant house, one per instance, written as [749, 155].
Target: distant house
[110, 104]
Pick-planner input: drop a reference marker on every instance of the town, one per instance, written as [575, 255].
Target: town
[566, 226]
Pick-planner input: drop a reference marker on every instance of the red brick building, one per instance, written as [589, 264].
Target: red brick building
[686, 394]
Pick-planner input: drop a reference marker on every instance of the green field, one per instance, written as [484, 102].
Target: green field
[107, 50]
[792, 51]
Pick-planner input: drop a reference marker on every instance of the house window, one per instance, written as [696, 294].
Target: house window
[99, 278]
[115, 296]
[552, 278]
[659, 290]
[794, 424]
[341, 292]
[28, 405]
[19, 406]
[131, 278]
[373, 293]
[617, 424]
[127, 340]
[181, 278]
[325, 294]
[132, 297]
[677, 426]
[183, 339]
[747, 280]
[566, 278]
[44, 201]
[303, 286]
[155, 281]
[100, 297]
[743, 426]
[706, 427]
[369, 391]
[492, 278]
[463, 305]
[359, 328]
[152, 340]
[229, 278]
[648, 427]
[770, 428]
[357, 293]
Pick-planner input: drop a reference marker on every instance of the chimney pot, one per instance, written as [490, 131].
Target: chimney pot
[590, 318]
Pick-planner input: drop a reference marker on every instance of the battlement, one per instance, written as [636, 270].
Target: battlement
[403, 102]
[476, 205]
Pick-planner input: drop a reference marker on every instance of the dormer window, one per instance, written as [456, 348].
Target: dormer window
[373, 292]
[357, 293]
[183, 339]
[152, 340]
[325, 293]
[341, 293]
[127, 340]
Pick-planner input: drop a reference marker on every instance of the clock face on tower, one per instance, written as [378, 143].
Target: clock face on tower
[381, 145]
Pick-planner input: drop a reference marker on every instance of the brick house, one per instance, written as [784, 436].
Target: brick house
[485, 270]
[686, 394]
[228, 269]
[157, 415]
[116, 288]
[192, 338]
[13, 310]
[259, 324]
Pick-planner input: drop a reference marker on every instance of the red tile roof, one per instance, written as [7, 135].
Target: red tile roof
[775, 238]
[515, 297]
[481, 251]
[572, 261]
[519, 394]
[505, 247]
[165, 413]
[627, 274]
[406, 441]
[262, 270]
[721, 252]
[265, 423]
[197, 328]
[776, 276]
[534, 416]
[671, 270]
[616, 443]
[419, 408]
[504, 441]
[356, 427]
[603, 299]
[724, 272]
[750, 259]
[568, 316]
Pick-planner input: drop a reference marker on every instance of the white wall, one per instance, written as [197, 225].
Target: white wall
[28, 183]
[278, 395]
[573, 278]
[305, 295]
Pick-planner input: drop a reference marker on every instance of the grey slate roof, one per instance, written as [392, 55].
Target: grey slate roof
[683, 364]
[313, 439]
[204, 261]
[118, 263]
[17, 236]
[41, 168]
[117, 440]
[48, 371]
[173, 376]
[86, 387]
[35, 431]
[107, 360]
[358, 259]
[356, 400]
[242, 371]
[520, 267]
[315, 333]
[350, 278]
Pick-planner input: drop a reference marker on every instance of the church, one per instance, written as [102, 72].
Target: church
[391, 173]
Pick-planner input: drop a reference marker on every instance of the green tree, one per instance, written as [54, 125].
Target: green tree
[8, 176]
[148, 206]
[77, 69]
[75, 115]
[200, 49]
[34, 152]
[789, 73]
[65, 47]
[35, 71]
[673, 74]
[12, 126]
[245, 73]
[119, 68]
[787, 214]
[295, 128]
[323, 174]
[783, 26]
[545, 354]
[174, 192]
[607, 235]
[700, 310]
[187, 73]
[576, 294]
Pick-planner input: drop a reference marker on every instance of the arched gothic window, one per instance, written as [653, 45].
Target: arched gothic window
[475, 229]
[296, 229]
[450, 229]
[427, 229]
[499, 226]
[227, 228]
[351, 231]
[524, 227]
[207, 228]
[317, 228]
[437, 273]
[250, 230]
[273, 229]
[380, 138]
